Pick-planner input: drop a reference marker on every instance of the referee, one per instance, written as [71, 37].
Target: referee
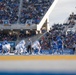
[29, 47]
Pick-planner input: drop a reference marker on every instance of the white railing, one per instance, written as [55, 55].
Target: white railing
[17, 26]
[39, 26]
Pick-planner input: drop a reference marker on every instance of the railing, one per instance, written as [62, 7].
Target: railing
[17, 26]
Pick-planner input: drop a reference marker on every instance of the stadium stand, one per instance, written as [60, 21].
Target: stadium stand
[23, 10]
[18, 13]
[9, 11]
[33, 10]
[60, 32]
[60, 38]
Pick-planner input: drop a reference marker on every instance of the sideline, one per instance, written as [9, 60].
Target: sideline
[39, 57]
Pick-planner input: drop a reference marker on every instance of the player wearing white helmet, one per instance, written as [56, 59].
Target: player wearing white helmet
[36, 45]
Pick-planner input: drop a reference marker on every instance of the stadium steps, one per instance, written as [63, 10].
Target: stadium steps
[20, 7]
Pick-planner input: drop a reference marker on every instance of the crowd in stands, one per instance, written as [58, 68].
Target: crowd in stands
[52, 36]
[8, 37]
[72, 16]
[26, 34]
[68, 38]
[31, 10]
[9, 11]
[34, 10]
[72, 20]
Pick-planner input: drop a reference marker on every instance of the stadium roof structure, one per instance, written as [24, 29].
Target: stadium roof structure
[61, 11]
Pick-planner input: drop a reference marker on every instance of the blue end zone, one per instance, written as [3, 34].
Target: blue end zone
[37, 73]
